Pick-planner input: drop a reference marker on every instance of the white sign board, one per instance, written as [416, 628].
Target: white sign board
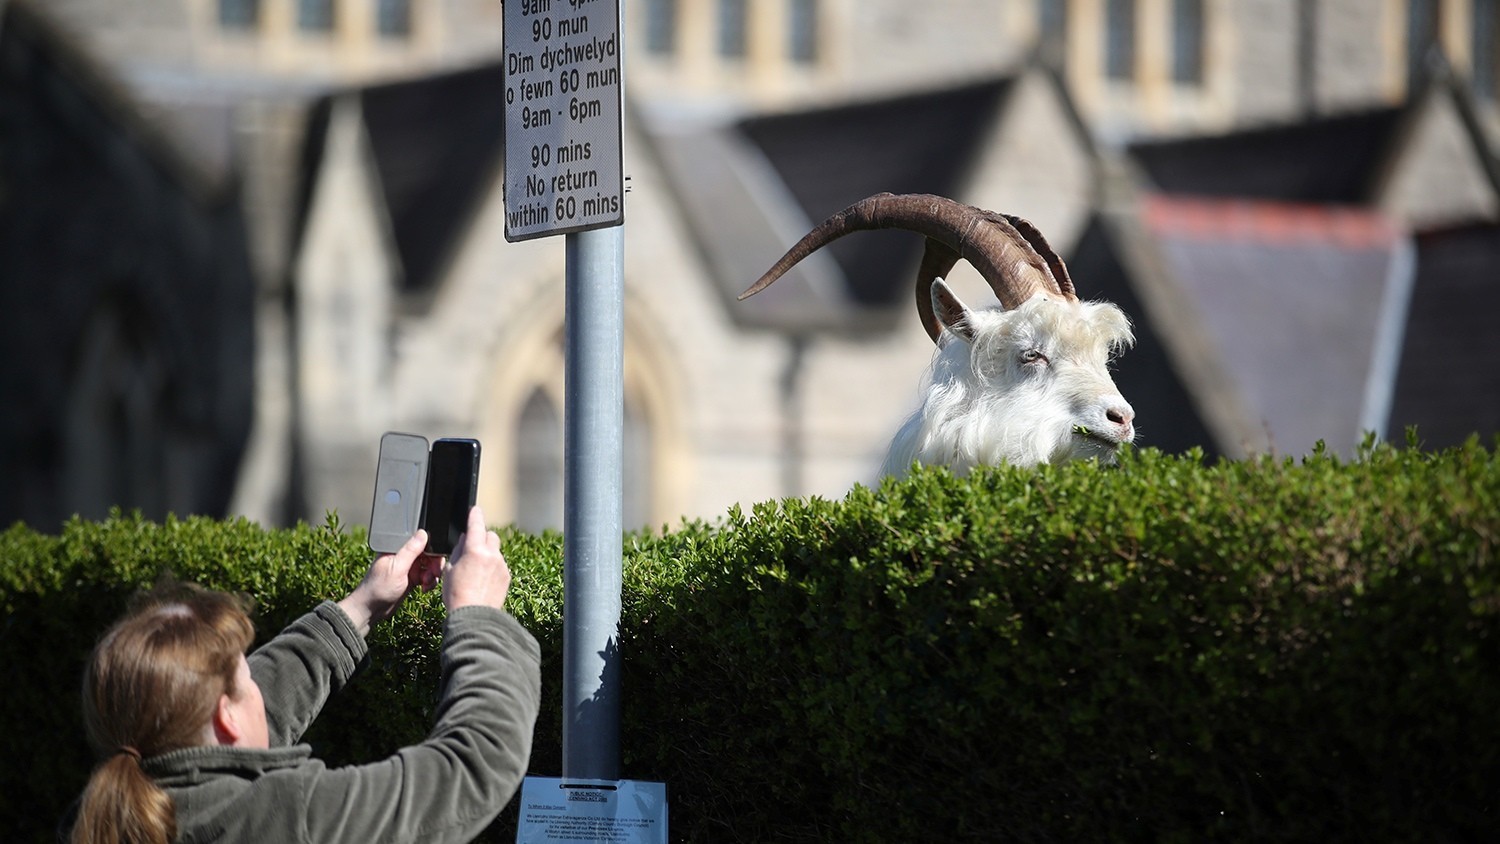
[563, 171]
[555, 811]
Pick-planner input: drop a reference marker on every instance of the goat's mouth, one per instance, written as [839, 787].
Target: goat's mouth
[1096, 438]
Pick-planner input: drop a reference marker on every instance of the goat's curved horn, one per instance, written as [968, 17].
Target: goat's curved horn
[1044, 249]
[1008, 251]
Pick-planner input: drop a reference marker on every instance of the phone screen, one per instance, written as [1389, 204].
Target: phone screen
[452, 488]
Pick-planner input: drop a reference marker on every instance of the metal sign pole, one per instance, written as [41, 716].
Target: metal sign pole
[592, 457]
[563, 175]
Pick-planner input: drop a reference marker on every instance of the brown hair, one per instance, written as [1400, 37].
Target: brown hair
[150, 687]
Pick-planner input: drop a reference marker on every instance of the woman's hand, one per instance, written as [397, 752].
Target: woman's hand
[477, 574]
[390, 579]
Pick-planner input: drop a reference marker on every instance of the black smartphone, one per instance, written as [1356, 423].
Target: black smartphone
[400, 477]
[452, 488]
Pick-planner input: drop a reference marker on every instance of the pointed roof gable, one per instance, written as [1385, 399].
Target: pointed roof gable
[750, 186]
[436, 144]
[918, 143]
[741, 217]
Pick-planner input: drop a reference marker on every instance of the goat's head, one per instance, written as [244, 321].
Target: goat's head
[1025, 383]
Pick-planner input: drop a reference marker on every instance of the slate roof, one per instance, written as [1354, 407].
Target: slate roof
[1260, 228]
[1449, 377]
[741, 218]
[750, 187]
[1333, 159]
[1293, 297]
[832, 157]
[437, 141]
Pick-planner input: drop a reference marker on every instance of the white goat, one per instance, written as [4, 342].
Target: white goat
[1024, 383]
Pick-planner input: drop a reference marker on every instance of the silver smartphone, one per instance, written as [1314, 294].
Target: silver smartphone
[400, 484]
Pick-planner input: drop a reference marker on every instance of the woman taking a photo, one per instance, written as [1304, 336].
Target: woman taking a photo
[199, 741]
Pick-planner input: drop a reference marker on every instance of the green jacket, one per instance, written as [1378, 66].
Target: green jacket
[447, 788]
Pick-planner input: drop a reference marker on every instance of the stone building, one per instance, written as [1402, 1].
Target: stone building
[368, 163]
[1133, 66]
[792, 393]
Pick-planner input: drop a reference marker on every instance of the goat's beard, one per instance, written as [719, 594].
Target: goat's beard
[967, 438]
[1005, 429]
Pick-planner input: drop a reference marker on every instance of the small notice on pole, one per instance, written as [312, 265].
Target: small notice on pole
[556, 811]
[563, 170]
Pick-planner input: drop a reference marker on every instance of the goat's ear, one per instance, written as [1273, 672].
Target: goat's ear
[950, 310]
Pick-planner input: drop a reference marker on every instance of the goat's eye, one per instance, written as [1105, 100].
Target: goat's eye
[1033, 356]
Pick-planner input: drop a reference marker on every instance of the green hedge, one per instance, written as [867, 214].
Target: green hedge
[1166, 651]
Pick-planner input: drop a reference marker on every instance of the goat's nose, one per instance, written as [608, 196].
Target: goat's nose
[1121, 415]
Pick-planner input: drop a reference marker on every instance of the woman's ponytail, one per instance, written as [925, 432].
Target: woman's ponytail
[123, 804]
[151, 687]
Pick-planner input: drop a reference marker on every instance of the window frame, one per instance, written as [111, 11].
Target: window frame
[802, 32]
[1484, 56]
[239, 15]
[1120, 23]
[1189, 31]
[308, 21]
[393, 19]
[731, 29]
[1424, 27]
[659, 27]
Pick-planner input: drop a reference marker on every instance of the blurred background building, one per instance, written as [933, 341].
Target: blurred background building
[239, 239]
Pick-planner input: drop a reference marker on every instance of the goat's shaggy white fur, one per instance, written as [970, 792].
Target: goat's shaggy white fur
[1031, 386]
